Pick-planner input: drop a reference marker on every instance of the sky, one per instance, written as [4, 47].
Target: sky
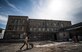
[68, 10]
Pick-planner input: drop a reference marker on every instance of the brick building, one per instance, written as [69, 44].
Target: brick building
[37, 29]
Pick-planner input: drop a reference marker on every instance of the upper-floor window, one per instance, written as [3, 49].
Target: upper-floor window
[22, 28]
[55, 29]
[18, 28]
[39, 29]
[47, 29]
[39, 24]
[47, 24]
[12, 21]
[34, 29]
[43, 29]
[10, 27]
[23, 21]
[54, 24]
[58, 24]
[19, 21]
[27, 19]
[52, 29]
[31, 29]
[15, 28]
[15, 22]
[62, 25]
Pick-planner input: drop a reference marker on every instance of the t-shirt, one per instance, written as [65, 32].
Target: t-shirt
[26, 39]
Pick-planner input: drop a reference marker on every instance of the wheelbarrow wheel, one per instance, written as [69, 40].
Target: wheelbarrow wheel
[31, 45]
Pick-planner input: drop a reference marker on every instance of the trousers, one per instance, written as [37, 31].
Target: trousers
[25, 43]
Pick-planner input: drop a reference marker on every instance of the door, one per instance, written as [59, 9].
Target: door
[55, 37]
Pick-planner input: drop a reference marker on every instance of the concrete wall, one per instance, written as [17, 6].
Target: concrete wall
[63, 36]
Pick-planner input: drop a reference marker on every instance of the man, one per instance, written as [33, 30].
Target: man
[25, 40]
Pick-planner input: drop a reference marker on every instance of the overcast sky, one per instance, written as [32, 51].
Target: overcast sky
[70, 10]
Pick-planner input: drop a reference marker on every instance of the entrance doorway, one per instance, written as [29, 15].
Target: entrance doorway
[55, 37]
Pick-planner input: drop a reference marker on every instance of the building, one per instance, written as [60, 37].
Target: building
[75, 31]
[16, 25]
[1, 33]
[46, 29]
[37, 29]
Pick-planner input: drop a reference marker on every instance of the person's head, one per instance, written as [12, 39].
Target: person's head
[25, 34]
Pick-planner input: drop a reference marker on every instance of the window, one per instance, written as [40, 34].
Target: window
[15, 28]
[54, 24]
[55, 29]
[12, 21]
[51, 29]
[27, 19]
[47, 29]
[58, 24]
[23, 21]
[47, 24]
[30, 29]
[9, 28]
[18, 28]
[43, 29]
[19, 21]
[39, 29]
[62, 25]
[22, 28]
[34, 29]
[15, 22]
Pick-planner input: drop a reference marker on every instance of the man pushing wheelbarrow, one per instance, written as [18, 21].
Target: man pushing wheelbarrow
[25, 42]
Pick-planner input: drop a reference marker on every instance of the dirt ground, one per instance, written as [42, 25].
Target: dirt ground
[43, 47]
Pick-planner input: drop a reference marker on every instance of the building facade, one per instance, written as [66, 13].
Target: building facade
[37, 29]
[46, 29]
[16, 25]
